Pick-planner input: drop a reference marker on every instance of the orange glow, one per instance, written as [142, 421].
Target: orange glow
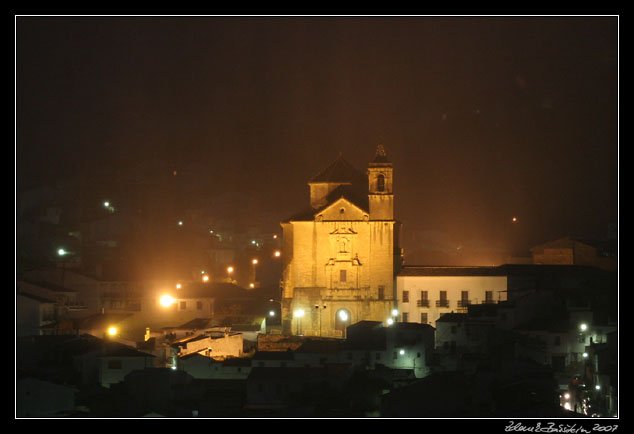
[205, 278]
[178, 286]
[277, 253]
[255, 261]
[229, 269]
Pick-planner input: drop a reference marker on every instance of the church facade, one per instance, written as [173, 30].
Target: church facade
[342, 253]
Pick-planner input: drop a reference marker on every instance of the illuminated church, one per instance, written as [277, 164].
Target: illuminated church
[341, 254]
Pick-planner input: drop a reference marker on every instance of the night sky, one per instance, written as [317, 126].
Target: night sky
[483, 118]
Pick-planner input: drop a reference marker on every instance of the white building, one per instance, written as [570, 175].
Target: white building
[424, 294]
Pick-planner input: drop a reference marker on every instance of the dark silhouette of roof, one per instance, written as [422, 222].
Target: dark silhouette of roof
[340, 171]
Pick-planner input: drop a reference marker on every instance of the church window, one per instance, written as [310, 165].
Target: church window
[342, 275]
[380, 183]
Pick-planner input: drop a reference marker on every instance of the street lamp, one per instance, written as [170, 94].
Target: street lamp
[166, 300]
[229, 271]
[112, 331]
[299, 314]
[277, 254]
[320, 308]
[61, 253]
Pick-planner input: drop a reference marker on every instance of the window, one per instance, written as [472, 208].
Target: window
[405, 296]
[114, 364]
[342, 275]
[199, 305]
[488, 296]
[423, 318]
[380, 183]
[381, 292]
[183, 305]
[424, 295]
[443, 302]
[405, 316]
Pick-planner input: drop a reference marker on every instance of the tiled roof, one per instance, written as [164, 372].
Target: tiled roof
[36, 298]
[340, 171]
[451, 271]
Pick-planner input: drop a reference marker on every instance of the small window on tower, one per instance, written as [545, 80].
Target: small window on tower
[380, 183]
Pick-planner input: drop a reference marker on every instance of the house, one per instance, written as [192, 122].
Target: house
[466, 332]
[398, 346]
[280, 388]
[424, 293]
[40, 398]
[572, 251]
[203, 367]
[32, 313]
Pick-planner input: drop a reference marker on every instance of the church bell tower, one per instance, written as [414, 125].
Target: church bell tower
[380, 187]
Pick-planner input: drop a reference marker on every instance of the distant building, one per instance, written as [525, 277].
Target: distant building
[570, 251]
[408, 346]
[341, 254]
[32, 313]
[424, 294]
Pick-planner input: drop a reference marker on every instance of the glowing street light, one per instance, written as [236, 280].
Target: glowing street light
[401, 352]
[390, 321]
[251, 285]
[178, 286]
[583, 327]
[277, 254]
[166, 300]
[112, 331]
[343, 315]
[205, 278]
[61, 252]
[271, 313]
[299, 313]
[180, 223]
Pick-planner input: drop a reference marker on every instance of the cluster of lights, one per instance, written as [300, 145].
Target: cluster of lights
[391, 320]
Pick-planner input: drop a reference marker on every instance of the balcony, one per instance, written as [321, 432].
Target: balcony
[422, 303]
[464, 303]
[442, 303]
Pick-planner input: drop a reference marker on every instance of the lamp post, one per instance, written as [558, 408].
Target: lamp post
[320, 308]
[61, 253]
[255, 263]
